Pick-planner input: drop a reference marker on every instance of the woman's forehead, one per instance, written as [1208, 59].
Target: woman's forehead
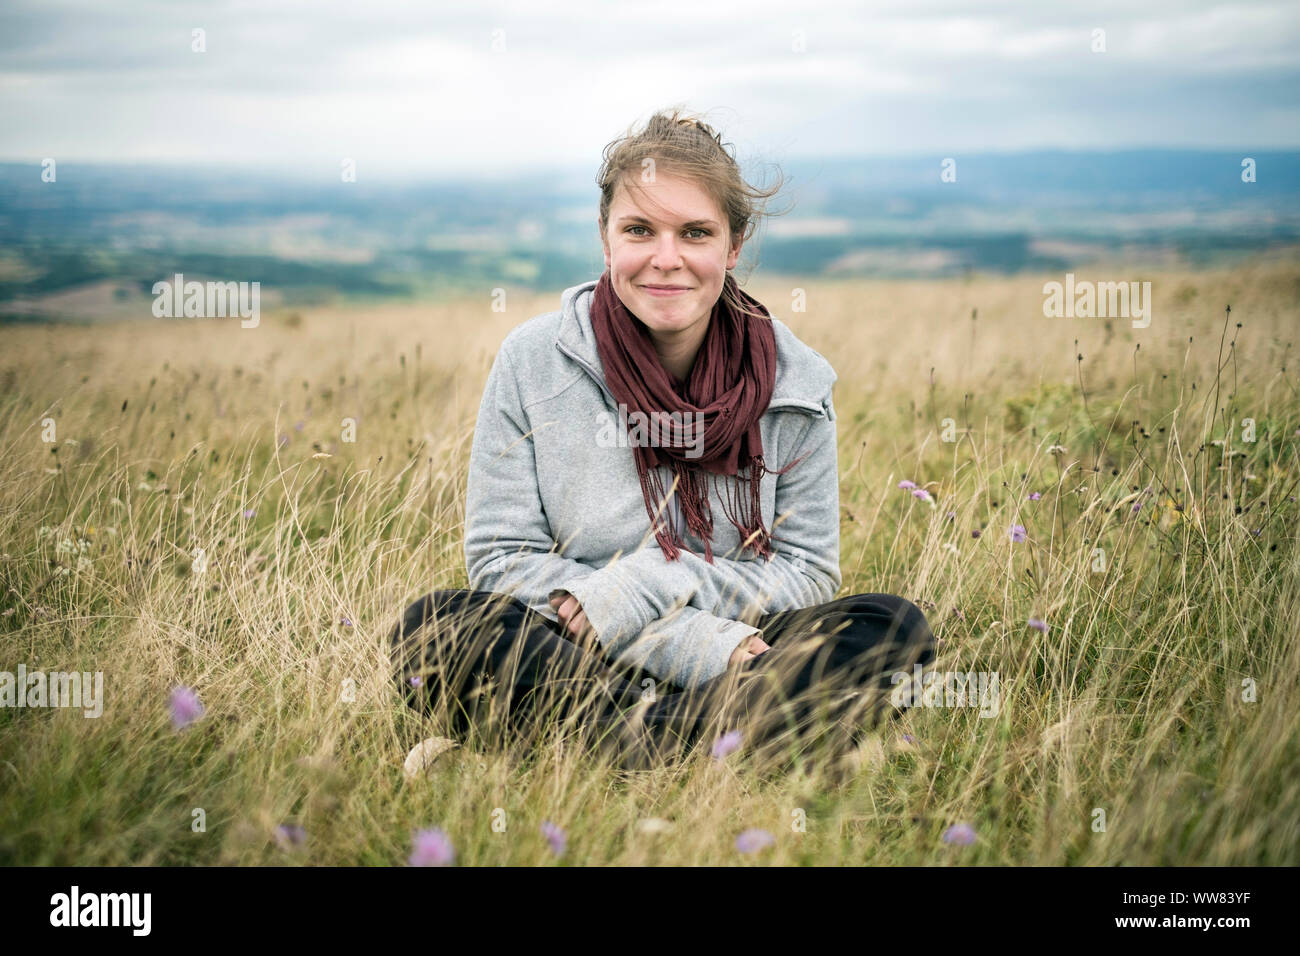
[678, 202]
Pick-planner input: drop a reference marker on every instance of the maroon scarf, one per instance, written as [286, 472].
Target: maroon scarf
[730, 383]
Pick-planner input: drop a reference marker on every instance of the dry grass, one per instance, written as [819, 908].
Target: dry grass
[1131, 703]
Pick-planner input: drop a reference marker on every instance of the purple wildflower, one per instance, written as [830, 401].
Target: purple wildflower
[345, 621]
[906, 484]
[298, 426]
[1037, 625]
[289, 835]
[909, 738]
[1137, 506]
[555, 836]
[952, 515]
[185, 707]
[249, 512]
[726, 744]
[922, 494]
[284, 439]
[975, 532]
[1018, 533]
[431, 848]
[753, 840]
[962, 834]
[1035, 495]
[416, 681]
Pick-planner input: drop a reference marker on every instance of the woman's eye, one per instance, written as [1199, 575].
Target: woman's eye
[703, 232]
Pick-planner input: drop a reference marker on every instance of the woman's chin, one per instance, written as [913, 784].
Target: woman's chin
[671, 315]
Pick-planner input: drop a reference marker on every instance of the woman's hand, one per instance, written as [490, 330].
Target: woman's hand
[573, 618]
[749, 649]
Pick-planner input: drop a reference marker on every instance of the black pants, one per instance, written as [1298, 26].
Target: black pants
[471, 655]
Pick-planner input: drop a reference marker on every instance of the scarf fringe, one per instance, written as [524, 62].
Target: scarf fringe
[652, 492]
[742, 505]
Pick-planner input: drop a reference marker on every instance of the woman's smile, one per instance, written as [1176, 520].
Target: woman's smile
[665, 291]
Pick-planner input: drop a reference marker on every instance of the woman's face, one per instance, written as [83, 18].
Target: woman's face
[672, 235]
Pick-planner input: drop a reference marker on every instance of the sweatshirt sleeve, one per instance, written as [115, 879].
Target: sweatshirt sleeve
[508, 543]
[804, 570]
[687, 646]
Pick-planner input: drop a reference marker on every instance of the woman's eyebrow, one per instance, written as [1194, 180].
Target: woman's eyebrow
[685, 225]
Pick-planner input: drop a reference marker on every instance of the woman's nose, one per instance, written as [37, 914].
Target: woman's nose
[667, 256]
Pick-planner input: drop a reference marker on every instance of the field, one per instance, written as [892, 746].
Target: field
[179, 508]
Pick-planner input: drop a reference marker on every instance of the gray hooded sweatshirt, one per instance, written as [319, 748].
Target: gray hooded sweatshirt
[554, 504]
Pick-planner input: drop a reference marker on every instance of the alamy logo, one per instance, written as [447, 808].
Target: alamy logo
[928, 688]
[214, 300]
[102, 909]
[655, 430]
[56, 689]
[1123, 300]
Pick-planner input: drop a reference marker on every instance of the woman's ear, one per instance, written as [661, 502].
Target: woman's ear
[734, 254]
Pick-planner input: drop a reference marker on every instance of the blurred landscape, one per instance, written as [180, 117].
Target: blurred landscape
[90, 245]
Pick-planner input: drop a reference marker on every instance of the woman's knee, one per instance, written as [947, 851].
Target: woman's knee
[465, 606]
[914, 628]
[892, 622]
[424, 609]
[455, 601]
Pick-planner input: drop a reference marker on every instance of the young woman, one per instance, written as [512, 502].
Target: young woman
[652, 514]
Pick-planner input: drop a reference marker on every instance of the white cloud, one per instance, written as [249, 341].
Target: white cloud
[408, 84]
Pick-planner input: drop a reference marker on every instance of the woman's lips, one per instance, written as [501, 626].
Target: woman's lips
[664, 292]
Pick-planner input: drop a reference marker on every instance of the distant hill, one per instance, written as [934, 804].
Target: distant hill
[90, 245]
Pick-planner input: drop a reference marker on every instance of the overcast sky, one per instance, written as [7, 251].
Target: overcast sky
[403, 86]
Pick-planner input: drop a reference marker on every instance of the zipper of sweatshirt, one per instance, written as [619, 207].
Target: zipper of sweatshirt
[590, 371]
